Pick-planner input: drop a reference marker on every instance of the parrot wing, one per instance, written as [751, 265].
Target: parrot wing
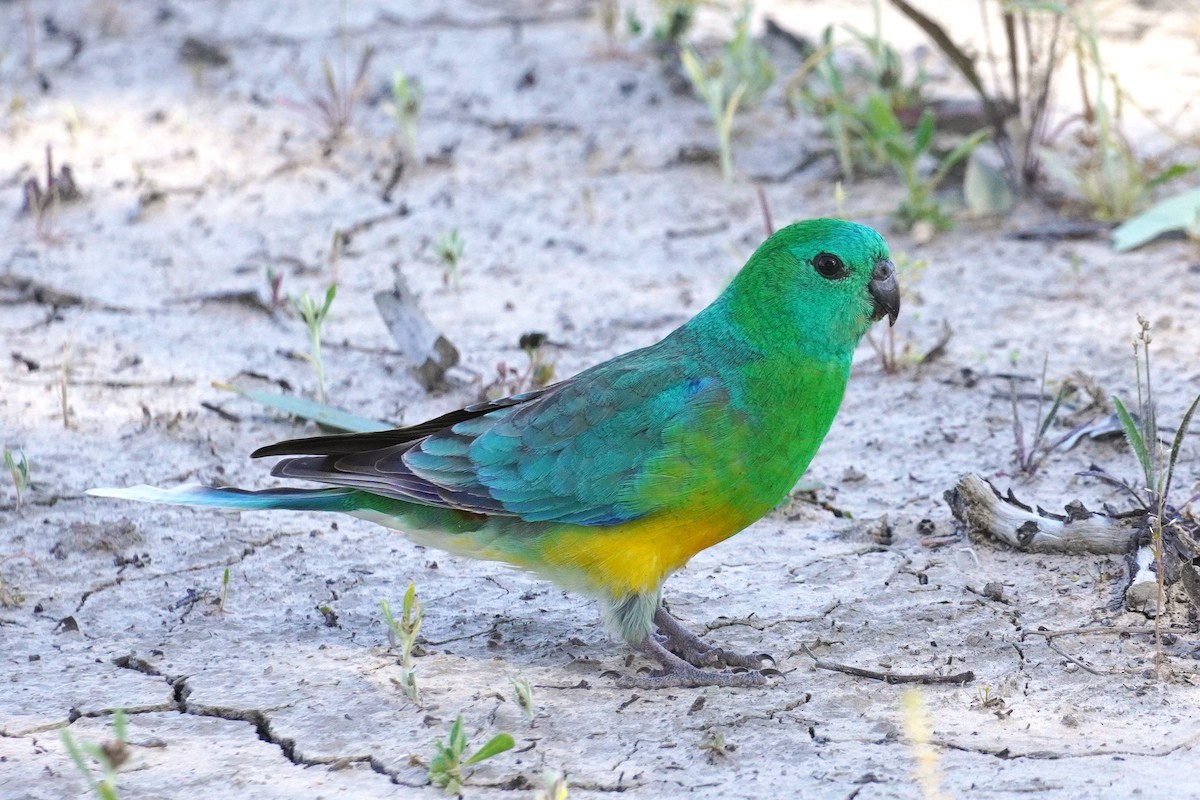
[582, 451]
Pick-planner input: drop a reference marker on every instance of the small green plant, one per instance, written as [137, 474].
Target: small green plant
[18, 466]
[714, 746]
[988, 698]
[838, 95]
[403, 633]
[741, 75]
[449, 249]
[523, 692]
[448, 762]
[1157, 466]
[314, 319]
[110, 756]
[1171, 533]
[905, 151]
[1028, 458]
[224, 590]
[406, 107]
[554, 786]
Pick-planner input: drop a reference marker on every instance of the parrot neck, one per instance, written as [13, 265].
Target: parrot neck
[788, 395]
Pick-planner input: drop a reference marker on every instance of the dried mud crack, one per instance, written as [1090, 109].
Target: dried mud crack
[257, 718]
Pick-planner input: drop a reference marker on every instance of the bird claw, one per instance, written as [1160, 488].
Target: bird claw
[686, 669]
[691, 648]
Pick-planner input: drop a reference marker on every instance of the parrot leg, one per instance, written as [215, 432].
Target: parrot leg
[678, 673]
[697, 652]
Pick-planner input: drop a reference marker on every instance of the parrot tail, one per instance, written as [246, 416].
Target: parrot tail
[346, 500]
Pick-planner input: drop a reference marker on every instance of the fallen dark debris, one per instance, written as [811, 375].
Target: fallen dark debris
[888, 677]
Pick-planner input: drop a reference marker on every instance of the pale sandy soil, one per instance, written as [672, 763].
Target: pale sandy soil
[580, 220]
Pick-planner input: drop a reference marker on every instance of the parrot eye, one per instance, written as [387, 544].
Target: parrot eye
[829, 265]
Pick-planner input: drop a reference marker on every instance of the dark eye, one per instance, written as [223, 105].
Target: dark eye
[829, 265]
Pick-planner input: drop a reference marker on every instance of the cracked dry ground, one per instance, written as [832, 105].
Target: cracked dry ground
[580, 219]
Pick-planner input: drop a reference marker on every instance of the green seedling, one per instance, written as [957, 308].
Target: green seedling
[314, 319]
[403, 633]
[110, 756]
[406, 107]
[1156, 464]
[445, 769]
[449, 250]
[523, 692]
[224, 590]
[714, 746]
[18, 466]
[905, 151]
[1171, 533]
[839, 95]
[1028, 458]
[554, 786]
[740, 75]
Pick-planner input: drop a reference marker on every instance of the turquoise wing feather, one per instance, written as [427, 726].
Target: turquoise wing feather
[579, 452]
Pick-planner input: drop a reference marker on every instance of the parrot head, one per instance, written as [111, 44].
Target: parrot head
[820, 283]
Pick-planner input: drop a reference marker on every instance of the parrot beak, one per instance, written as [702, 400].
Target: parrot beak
[885, 291]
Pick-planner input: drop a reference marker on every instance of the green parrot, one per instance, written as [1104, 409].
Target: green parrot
[609, 481]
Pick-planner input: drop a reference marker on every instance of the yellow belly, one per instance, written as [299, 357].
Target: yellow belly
[632, 558]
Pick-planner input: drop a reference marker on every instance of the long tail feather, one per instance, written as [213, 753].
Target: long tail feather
[293, 499]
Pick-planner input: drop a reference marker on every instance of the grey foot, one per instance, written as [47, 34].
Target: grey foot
[697, 652]
[678, 673]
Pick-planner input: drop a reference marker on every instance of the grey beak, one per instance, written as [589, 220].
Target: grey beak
[885, 291]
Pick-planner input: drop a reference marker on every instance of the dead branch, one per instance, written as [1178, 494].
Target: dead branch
[982, 510]
[887, 677]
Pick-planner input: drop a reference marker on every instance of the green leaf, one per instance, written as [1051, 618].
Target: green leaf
[409, 597]
[880, 117]
[76, 756]
[961, 151]
[1169, 174]
[323, 415]
[1045, 426]
[1134, 437]
[497, 745]
[1181, 212]
[923, 136]
[1176, 444]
